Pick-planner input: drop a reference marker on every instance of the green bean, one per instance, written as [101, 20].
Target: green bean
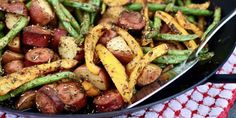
[155, 28]
[65, 21]
[176, 37]
[170, 59]
[216, 20]
[188, 2]
[103, 7]
[93, 15]
[151, 23]
[28, 5]
[84, 6]
[1, 34]
[85, 24]
[36, 83]
[79, 15]
[170, 52]
[179, 52]
[206, 56]
[2, 15]
[2, 25]
[72, 20]
[21, 23]
[185, 10]
[180, 2]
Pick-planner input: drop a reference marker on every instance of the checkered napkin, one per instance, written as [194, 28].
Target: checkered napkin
[205, 101]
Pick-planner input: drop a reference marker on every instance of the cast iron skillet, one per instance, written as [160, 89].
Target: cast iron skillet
[222, 45]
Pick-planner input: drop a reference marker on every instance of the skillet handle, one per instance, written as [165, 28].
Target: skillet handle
[222, 78]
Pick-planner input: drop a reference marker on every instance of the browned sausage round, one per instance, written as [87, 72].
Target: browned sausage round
[13, 66]
[26, 100]
[149, 74]
[107, 36]
[109, 101]
[47, 100]
[35, 35]
[72, 95]
[9, 56]
[39, 55]
[131, 20]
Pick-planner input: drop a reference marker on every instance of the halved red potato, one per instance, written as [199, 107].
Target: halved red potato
[17, 8]
[58, 33]
[14, 45]
[35, 35]
[13, 66]
[41, 12]
[131, 20]
[26, 100]
[149, 74]
[101, 81]
[107, 36]
[11, 19]
[38, 56]
[72, 95]
[119, 48]
[10, 56]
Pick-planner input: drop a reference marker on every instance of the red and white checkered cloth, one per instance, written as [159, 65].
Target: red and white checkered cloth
[204, 101]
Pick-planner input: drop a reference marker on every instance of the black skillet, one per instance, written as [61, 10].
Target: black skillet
[222, 44]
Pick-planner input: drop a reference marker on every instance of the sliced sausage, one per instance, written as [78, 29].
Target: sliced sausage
[107, 36]
[39, 56]
[58, 33]
[35, 35]
[41, 12]
[72, 95]
[109, 101]
[13, 66]
[101, 81]
[9, 56]
[17, 8]
[149, 74]
[47, 100]
[119, 48]
[131, 20]
[26, 100]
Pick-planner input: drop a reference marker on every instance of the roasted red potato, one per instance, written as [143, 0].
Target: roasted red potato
[72, 95]
[26, 100]
[17, 8]
[41, 12]
[107, 36]
[101, 81]
[48, 101]
[58, 33]
[38, 56]
[14, 45]
[131, 20]
[13, 66]
[119, 48]
[11, 19]
[109, 101]
[35, 35]
[149, 74]
[9, 56]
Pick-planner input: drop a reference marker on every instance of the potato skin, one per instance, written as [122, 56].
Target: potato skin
[101, 81]
[9, 56]
[149, 74]
[15, 44]
[41, 12]
[118, 47]
[35, 35]
[26, 100]
[13, 66]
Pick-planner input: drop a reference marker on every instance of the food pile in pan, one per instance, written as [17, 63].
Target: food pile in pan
[61, 56]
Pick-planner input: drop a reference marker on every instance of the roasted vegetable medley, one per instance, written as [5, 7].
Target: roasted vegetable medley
[61, 56]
